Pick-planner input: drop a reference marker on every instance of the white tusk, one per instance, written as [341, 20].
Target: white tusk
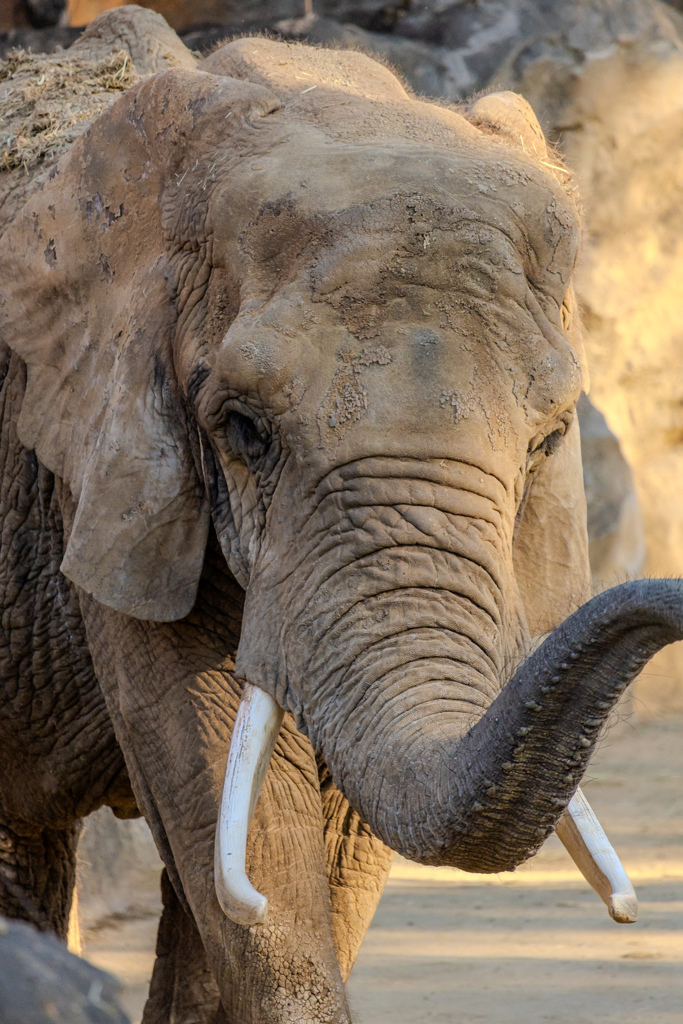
[590, 849]
[256, 731]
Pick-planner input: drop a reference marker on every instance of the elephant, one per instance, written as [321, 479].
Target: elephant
[288, 448]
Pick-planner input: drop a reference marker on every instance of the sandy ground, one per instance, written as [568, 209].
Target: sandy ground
[522, 948]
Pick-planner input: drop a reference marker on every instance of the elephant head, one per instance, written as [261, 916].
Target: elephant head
[281, 295]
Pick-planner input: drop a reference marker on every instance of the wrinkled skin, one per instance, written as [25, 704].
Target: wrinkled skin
[291, 400]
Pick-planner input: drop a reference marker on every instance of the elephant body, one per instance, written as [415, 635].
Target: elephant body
[290, 371]
[62, 760]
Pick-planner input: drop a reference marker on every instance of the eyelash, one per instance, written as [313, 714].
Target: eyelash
[546, 446]
[244, 433]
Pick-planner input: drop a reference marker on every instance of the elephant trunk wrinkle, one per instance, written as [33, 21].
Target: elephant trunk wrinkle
[357, 573]
[479, 782]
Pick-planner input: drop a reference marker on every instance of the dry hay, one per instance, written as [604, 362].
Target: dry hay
[46, 102]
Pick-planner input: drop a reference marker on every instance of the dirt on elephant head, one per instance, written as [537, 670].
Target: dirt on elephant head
[51, 100]
[48, 100]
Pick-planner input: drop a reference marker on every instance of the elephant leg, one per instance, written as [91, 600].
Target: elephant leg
[173, 701]
[37, 876]
[357, 868]
[59, 759]
[182, 986]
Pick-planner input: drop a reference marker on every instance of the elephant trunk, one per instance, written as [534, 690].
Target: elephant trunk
[447, 762]
[484, 796]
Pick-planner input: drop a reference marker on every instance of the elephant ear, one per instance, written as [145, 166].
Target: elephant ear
[510, 115]
[89, 306]
[550, 548]
[551, 539]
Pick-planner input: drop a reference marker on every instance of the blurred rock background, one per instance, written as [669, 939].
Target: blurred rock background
[41, 982]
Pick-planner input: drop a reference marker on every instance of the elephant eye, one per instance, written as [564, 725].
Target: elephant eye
[239, 429]
[552, 442]
[242, 436]
[543, 446]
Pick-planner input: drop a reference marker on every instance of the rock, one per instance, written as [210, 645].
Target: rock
[184, 15]
[181, 15]
[119, 871]
[423, 67]
[38, 40]
[42, 13]
[22, 14]
[42, 983]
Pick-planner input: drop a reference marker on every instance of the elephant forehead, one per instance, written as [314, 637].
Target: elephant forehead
[417, 364]
[306, 197]
[363, 264]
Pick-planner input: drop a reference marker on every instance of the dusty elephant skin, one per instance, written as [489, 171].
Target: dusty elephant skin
[289, 392]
